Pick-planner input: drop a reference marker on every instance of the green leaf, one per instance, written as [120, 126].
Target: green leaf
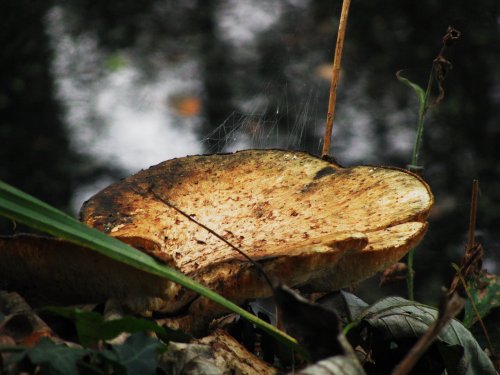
[91, 326]
[486, 299]
[139, 354]
[52, 358]
[400, 320]
[414, 166]
[30, 211]
[416, 88]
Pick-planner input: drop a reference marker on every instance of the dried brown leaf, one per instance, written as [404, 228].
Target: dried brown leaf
[395, 273]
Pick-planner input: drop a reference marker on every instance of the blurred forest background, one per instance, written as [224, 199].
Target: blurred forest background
[92, 91]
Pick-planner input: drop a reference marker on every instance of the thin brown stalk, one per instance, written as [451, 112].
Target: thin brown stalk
[473, 213]
[335, 77]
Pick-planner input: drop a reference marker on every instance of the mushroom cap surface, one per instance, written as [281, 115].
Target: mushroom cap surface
[307, 221]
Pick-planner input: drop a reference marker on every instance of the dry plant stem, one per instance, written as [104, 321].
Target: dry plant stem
[452, 307]
[473, 213]
[470, 244]
[335, 77]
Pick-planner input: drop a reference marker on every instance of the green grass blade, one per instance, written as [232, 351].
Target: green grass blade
[30, 211]
[418, 90]
[423, 97]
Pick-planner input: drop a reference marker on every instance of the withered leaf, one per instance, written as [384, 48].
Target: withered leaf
[21, 323]
[217, 353]
[394, 273]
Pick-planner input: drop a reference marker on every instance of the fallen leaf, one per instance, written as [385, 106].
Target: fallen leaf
[138, 355]
[394, 324]
[20, 321]
[229, 352]
[218, 353]
[396, 272]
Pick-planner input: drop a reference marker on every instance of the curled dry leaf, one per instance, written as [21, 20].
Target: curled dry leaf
[21, 323]
[309, 222]
[394, 273]
[218, 353]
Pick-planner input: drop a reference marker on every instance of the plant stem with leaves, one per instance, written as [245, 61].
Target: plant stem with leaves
[440, 68]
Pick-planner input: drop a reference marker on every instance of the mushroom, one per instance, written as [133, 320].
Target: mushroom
[307, 221]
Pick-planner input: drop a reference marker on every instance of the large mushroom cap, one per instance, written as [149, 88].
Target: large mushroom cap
[308, 221]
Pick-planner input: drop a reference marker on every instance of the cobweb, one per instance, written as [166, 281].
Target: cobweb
[265, 126]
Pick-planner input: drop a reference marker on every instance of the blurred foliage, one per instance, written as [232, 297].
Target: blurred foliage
[91, 326]
[138, 354]
[35, 152]
[285, 63]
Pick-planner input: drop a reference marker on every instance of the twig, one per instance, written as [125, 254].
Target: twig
[449, 309]
[217, 235]
[335, 77]
[471, 263]
[471, 243]
[473, 213]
